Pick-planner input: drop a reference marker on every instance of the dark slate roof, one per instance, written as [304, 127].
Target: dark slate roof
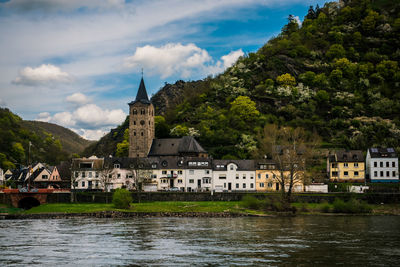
[382, 152]
[175, 146]
[141, 95]
[243, 164]
[128, 163]
[97, 163]
[348, 156]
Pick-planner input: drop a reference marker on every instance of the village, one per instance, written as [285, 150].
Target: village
[183, 165]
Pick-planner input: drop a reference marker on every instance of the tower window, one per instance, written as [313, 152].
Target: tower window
[134, 112]
[134, 133]
[143, 111]
[134, 122]
[141, 133]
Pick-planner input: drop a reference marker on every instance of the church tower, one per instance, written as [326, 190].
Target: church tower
[141, 124]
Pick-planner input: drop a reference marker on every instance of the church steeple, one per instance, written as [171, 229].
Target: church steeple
[141, 95]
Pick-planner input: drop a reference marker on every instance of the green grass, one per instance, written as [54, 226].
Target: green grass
[164, 206]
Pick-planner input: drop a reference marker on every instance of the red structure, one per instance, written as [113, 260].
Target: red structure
[29, 199]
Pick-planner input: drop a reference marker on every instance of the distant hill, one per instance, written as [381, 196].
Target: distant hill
[50, 143]
[336, 74]
[71, 142]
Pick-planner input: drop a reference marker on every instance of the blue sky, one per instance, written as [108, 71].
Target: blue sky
[78, 63]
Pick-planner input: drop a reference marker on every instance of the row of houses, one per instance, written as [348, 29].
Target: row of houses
[379, 165]
[38, 175]
[186, 174]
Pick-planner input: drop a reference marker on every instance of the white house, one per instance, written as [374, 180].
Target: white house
[168, 172]
[382, 165]
[233, 175]
[85, 173]
[198, 174]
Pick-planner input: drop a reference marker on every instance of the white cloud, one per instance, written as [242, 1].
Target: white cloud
[44, 74]
[2, 103]
[297, 19]
[44, 116]
[92, 134]
[231, 58]
[169, 59]
[65, 119]
[77, 98]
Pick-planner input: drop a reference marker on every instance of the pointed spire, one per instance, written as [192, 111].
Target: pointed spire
[141, 95]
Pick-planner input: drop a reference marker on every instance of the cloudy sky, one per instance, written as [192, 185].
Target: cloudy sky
[78, 63]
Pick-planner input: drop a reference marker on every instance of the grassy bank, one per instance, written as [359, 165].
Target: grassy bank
[200, 206]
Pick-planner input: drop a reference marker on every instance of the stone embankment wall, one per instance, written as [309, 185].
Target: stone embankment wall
[99, 197]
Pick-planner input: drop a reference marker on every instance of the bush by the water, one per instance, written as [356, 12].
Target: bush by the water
[268, 204]
[122, 199]
[351, 206]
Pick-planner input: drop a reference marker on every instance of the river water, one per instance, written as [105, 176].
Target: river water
[297, 241]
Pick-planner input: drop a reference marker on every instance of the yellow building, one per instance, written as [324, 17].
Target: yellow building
[346, 166]
[267, 178]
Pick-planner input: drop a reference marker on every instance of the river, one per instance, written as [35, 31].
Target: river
[303, 240]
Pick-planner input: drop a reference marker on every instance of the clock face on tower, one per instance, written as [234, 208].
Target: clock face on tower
[142, 122]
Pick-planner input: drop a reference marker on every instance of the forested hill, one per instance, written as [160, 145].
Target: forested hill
[337, 74]
[50, 143]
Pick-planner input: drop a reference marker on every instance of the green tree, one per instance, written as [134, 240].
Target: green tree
[286, 80]
[336, 51]
[18, 152]
[244, 108]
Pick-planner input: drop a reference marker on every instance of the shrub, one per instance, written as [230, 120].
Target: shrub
[352, 206]
[251, 202]
[325, 208]
[122, 199]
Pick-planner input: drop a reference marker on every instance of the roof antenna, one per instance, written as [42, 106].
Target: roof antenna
[142, 73]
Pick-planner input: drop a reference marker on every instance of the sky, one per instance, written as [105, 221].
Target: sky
[77, 63]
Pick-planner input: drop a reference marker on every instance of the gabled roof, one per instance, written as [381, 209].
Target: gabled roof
[242, 164]
[382, 152]
[128, 163]
[175, 147]
[141, 95]
[348, 156]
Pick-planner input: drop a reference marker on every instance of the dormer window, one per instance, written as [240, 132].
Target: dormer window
[355, 157]
[117, 166]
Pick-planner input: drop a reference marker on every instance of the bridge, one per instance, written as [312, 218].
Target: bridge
[24, 198]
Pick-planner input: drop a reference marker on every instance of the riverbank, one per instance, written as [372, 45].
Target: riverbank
[175, 209]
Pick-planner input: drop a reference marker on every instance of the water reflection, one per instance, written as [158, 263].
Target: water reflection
[354, 240]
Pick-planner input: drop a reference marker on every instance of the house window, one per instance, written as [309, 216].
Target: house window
[191, 172]
[259, 176]
[251, 185]
[191, 181]
[179, 181]
[334, 174]
[355, 173]
[269, 185]
[97, 174]
[244, 185]
[110, 176]
[237, 185]
[44, 177]
[244, 176]
[153, 166]
[222, 176]
[164, 172]
[375, 174]
[355, 165]
[393, 164]
[263, 167]
[387, 164]
[266, 176]
[76, 174]
[381, 164]
[206, 180]
[153, 176]
[387, 174]
[83, 174]
[251, 176]
[179, 172]
[261, 184]
[381, 173]
[231, 167]
[345, 165]
[97, 184]
[394, 174]
[90, 174]
[119, 175]
[116, 166]
[346, 173]
[224, 185]
[207, 171]
[237, 176]
[90, 183]
[83, 184]
[375, 164]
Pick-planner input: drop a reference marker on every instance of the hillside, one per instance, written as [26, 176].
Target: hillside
[336, 74]
[50, 143]
[71, 142]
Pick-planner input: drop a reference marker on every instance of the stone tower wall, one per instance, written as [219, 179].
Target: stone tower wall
[141, 129]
